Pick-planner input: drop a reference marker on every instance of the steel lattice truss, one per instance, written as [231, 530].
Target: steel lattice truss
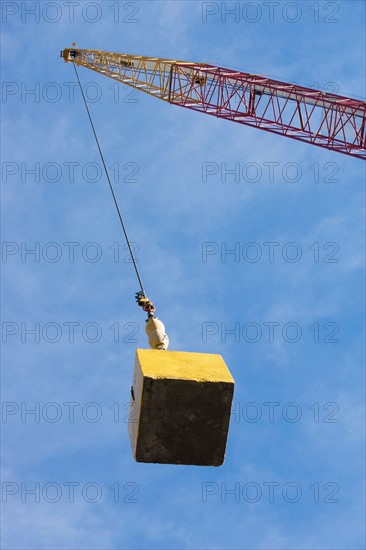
[323, 119]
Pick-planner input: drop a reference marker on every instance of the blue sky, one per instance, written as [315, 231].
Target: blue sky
[297, 426]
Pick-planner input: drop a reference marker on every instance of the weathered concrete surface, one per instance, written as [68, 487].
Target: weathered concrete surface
[181, 408]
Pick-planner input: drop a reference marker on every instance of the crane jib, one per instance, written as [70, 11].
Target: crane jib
[328, 120]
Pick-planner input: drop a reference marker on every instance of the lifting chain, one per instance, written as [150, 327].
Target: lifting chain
[145, 303]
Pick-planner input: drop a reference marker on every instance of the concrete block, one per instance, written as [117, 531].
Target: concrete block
[180, 407]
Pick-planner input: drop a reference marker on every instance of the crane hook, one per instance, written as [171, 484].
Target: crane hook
[154, 328]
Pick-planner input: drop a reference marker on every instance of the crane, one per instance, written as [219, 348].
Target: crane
[181, 401]
[326, 120]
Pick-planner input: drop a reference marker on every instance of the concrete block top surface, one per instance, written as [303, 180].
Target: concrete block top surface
[183, 365]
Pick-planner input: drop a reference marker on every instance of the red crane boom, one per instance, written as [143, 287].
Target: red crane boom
[327, 120]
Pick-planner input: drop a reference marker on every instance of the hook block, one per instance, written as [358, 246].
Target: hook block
[180, 407]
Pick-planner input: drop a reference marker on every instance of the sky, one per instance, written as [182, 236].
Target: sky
[250, 245]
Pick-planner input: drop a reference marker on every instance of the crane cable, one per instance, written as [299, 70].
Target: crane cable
[142, 293]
